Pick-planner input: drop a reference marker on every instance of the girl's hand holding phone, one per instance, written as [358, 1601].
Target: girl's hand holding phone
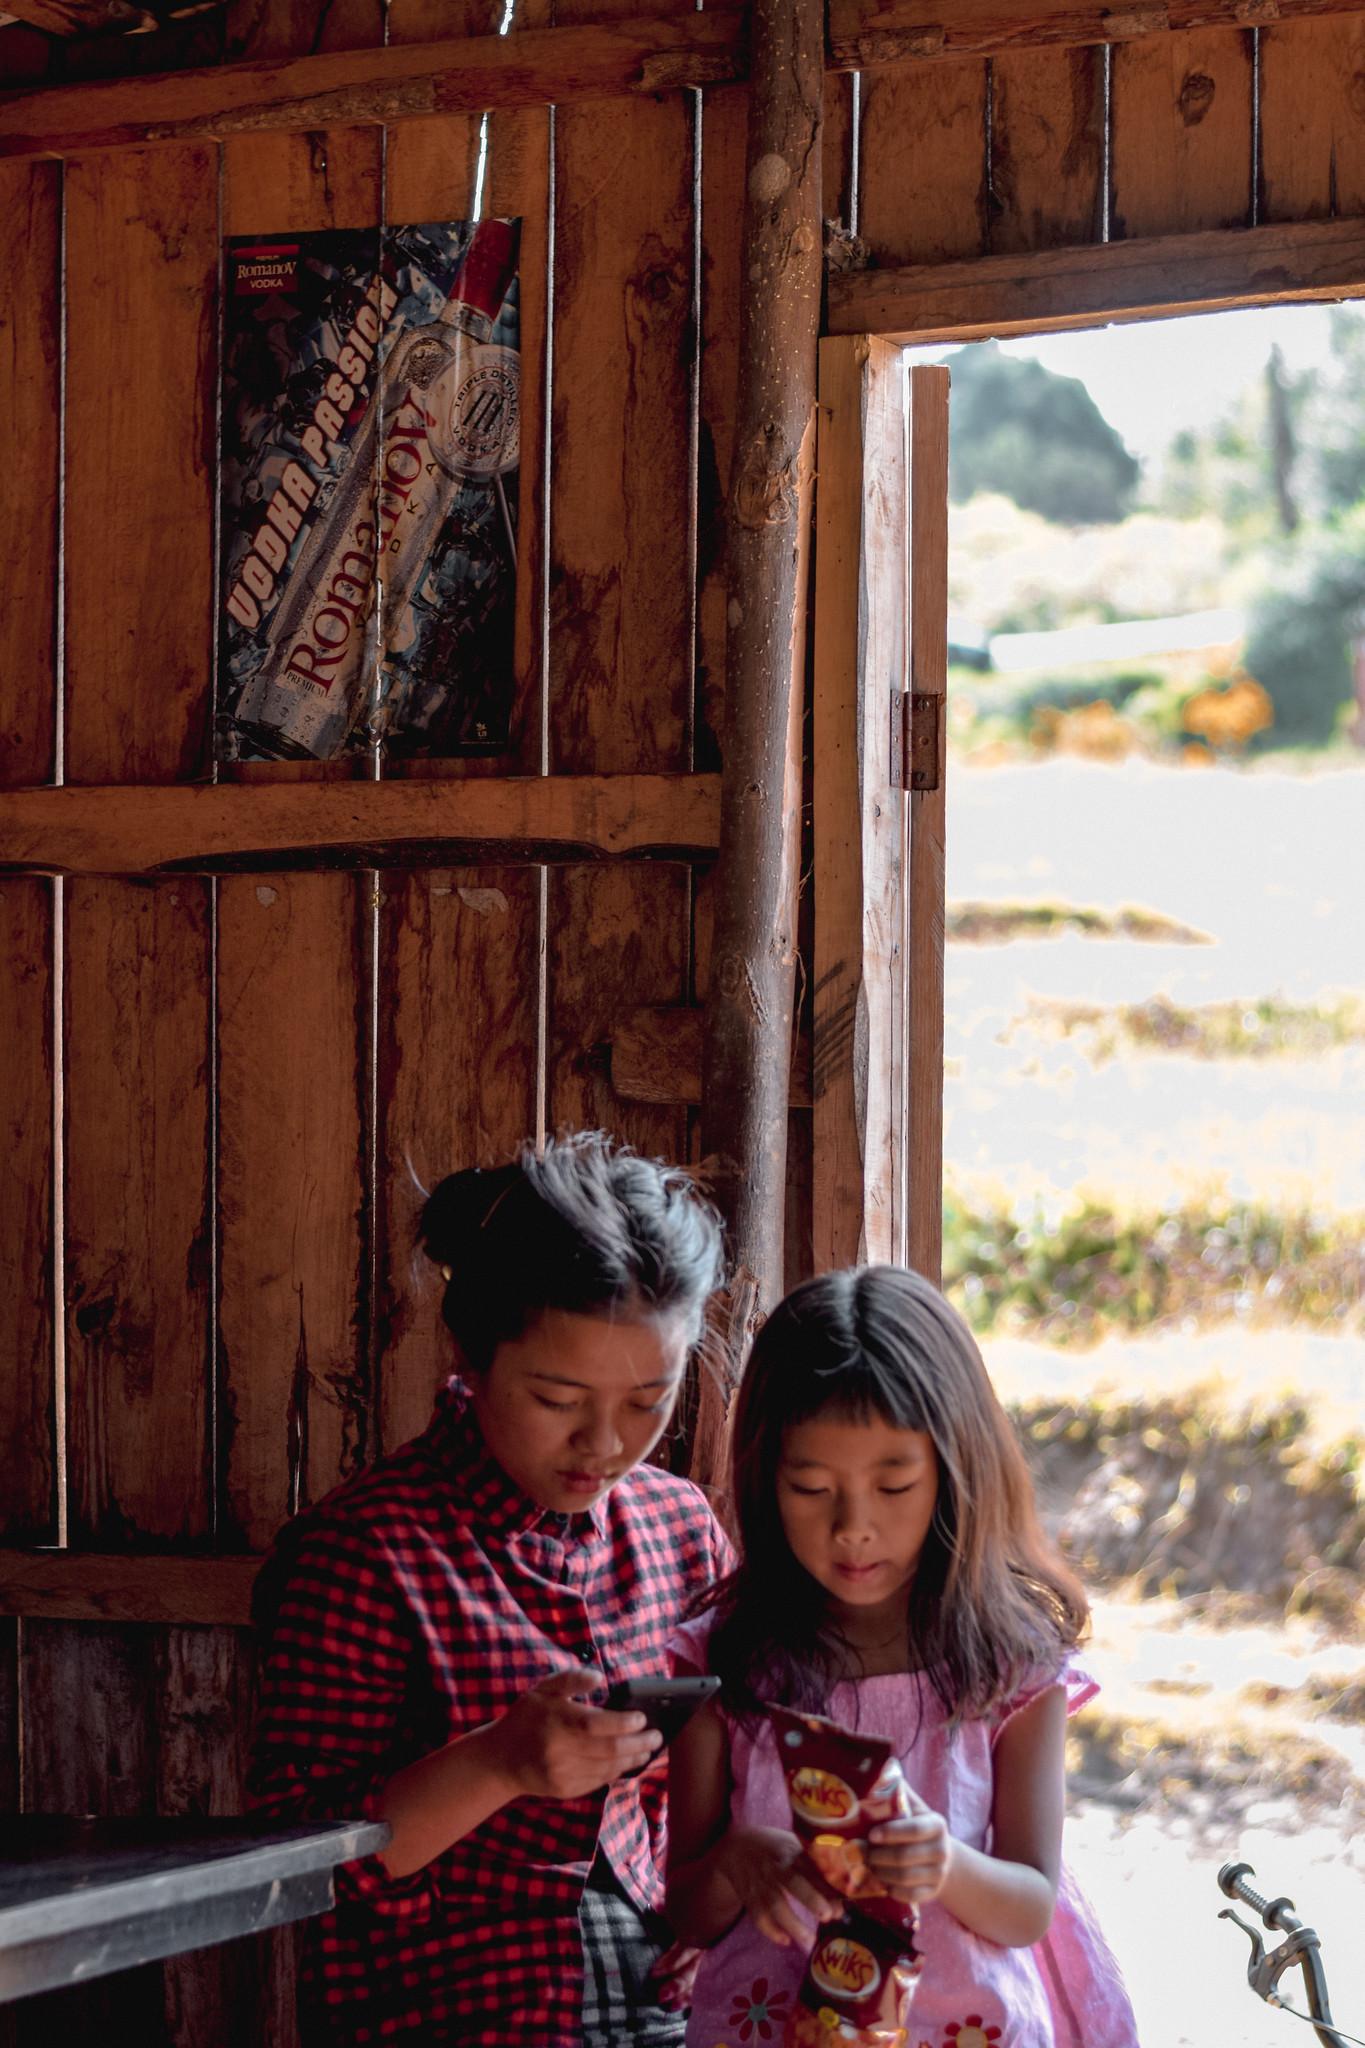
[767, 1871]
[911, 1856]
[553, 1745]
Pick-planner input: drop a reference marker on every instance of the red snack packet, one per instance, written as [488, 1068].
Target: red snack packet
[858, 1987]
[841, 1786]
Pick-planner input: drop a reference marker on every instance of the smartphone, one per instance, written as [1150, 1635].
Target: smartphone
[666, 1703]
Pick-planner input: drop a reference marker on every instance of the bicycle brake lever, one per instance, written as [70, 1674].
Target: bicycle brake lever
[1257, 1964]
[1266, 1967]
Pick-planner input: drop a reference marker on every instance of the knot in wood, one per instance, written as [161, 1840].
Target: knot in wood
[769, 178]
[1196, 97]
[765, 488]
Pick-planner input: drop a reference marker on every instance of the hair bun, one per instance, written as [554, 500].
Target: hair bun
[459, 1207]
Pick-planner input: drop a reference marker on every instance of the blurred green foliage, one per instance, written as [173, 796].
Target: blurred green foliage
[1040, 439]
[1301, 629]
[1096, 1270]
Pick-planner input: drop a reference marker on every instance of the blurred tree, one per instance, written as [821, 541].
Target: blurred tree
[1290, 447]
[1329, 415]
[1299, 640]
[1034, 437]
[1278, 398]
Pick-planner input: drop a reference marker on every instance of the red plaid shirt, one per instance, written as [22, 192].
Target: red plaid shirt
[418, 1601]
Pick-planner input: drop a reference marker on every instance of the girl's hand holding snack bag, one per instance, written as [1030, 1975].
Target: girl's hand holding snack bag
[910, 1855]
[771, 1876]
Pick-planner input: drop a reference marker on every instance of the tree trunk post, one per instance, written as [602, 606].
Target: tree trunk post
[747, 1039]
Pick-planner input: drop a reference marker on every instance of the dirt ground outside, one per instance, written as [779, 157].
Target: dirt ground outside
[1231, 1723]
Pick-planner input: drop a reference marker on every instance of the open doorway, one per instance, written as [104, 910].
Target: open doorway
[1155, 1086]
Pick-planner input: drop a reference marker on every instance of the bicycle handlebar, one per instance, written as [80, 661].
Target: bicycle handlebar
[1300, 1946]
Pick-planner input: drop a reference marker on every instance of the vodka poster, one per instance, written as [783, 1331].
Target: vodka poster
[370, 449]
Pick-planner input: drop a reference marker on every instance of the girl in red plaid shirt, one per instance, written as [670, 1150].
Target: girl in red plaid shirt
[440, 1628]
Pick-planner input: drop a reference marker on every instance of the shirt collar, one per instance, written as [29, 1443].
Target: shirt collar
[489, 1496]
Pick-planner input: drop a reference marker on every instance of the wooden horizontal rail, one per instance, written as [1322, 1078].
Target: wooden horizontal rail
[537, 67]
[80, 17]
[863, 33]
[367, 87]
[70, 1585]
[656, 1057]
[1090, 285]
[240, 827]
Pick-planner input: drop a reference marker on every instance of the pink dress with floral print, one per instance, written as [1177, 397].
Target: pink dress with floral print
[1066, 1992]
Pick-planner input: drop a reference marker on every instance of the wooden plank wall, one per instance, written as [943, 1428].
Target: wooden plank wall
[245, 1083]
[222, 1098]
[1038, 149]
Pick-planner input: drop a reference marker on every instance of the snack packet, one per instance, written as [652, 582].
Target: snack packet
[841, 1786]
[858, 1987]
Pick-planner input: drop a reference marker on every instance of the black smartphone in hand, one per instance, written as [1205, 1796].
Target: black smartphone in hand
[666, 1703]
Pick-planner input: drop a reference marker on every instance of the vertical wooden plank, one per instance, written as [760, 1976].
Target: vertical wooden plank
[30, 364]
[459, 978]
[292, 1011]
[28, 1503]
[837, 178]
[296, 182]
[203, 1694]
[923, 182]
[858, 826]
[1047, 149]
[142, 252]
[88, 1704]
[617, 940]
[293, 1352]
[431, 174]
[622, 567]
[27, 56]
[300, 28]
[621, 585]
[137, 1171]
[30, 351]
[1182, 133]
[9, 1714]
[922, 1064]
[141, 265]
[89, 1720]
[1312, 130]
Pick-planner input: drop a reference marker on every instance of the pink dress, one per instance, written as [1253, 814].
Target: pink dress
[1066, 1992]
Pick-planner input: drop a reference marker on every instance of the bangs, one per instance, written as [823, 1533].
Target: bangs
[857, 1387]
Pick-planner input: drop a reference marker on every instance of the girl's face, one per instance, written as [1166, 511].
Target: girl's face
[856, 1497]
[569, 1406]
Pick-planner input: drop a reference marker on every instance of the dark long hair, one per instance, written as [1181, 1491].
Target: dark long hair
[586, 1225]
[989, 1599]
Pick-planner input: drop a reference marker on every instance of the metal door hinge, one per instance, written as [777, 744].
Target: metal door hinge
[915, 739]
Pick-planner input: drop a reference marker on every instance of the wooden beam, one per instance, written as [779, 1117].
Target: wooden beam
[80, 17]
[72, 1585]
[656, 1057]
[239, 827]
[1091, 285]
[862, 35]
[534, 67]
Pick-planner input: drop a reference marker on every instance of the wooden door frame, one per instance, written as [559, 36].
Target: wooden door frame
[880, 642]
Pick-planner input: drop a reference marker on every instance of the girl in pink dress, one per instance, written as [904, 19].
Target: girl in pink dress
[894, 1578]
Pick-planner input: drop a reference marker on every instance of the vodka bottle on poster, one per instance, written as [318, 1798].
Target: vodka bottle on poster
[446, 402]
[460, 424]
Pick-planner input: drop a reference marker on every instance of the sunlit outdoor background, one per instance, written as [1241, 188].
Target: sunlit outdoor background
[1155, 1093]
